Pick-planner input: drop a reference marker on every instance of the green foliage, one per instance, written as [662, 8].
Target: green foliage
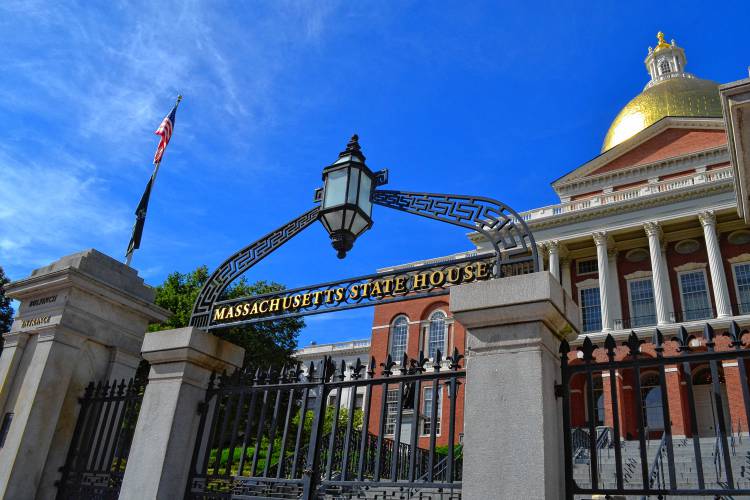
[309, 417]
[6, 312]
[267, 343]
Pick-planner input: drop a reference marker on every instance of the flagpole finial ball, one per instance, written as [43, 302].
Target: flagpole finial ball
[179, 97]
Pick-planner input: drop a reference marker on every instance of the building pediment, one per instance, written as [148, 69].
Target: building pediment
[669, 138]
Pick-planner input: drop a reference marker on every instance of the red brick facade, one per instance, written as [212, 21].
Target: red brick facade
[417, 312]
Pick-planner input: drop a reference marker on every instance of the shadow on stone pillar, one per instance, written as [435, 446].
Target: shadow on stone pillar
[81, 318]
[513, 443]
[181, 364]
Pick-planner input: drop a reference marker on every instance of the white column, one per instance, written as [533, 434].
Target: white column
[667, 291]
[514, 327]
[600, 238]
[716, 265]
[540, 251]
[614, 288]
[658, 269]
[554, 259]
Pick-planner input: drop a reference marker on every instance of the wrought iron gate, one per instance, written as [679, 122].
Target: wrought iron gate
[99, 450]
[648, 442]
[332, 431]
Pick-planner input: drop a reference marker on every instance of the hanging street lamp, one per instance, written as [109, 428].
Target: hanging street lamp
[346, 209]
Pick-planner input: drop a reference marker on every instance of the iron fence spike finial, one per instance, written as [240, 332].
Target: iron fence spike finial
[587, 349]
[708, 334]
[633, 343]
[610, 344]
[736, 334]
[658, 341]
[564, 347]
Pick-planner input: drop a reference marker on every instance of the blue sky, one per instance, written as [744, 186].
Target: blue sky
[486, 98]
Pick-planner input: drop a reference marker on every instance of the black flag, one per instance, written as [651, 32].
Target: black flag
[140, 221]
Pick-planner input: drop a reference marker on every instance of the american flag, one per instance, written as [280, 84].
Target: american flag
[165, 131]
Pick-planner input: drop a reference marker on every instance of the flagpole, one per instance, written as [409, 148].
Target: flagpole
[152, 180]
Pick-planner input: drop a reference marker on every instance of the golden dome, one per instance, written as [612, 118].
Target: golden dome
[674, 97]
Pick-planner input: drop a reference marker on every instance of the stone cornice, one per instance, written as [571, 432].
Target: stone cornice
[631, 205]
[57, 281]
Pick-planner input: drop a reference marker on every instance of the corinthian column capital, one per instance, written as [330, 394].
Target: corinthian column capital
[652, 228]
[600, 238]
[707, 218]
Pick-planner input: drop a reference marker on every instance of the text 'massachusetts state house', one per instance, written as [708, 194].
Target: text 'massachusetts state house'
[647, 234]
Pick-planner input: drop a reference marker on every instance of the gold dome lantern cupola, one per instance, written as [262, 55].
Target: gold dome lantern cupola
[671, 91]
[665, 61]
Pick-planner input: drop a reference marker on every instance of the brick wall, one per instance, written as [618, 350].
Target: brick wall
[668, 144]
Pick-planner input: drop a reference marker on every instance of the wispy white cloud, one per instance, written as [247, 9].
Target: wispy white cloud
[52, 208]
[90, 82]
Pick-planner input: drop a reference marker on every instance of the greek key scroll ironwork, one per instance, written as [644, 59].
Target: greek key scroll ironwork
[243, 260]
[503, 227]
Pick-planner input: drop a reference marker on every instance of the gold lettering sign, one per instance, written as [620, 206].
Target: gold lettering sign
[41, 320]
[388, 287]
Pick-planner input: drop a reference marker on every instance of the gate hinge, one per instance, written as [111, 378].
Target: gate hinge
[558, 390]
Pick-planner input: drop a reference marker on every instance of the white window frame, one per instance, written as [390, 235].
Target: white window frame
[630, 298]
[578, 264]
[708, 291]
[581, 286]
[446, 341]
[390, 335]
[737, 285]
[441, 388]
[388, 413]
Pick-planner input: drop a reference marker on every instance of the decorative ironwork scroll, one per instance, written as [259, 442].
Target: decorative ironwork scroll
[514, 253]
[506, 231]
[243, 260]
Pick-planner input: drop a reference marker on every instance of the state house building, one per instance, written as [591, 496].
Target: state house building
[646, 234]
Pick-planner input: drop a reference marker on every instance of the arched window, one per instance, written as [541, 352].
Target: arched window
[664, 67]
[653, 417]
[437, 334]
[399, 335]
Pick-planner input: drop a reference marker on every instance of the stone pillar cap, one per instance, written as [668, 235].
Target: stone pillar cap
[192, 345]
[517, 299]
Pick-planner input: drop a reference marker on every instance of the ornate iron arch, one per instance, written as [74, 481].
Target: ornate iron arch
[507, 232]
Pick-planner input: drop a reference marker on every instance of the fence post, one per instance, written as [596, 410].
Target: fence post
[181, 363]
[513, 445]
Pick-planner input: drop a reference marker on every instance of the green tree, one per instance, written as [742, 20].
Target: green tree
[269, 342]
[6, 312]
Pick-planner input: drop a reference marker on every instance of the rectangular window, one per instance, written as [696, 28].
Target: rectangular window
[694, 292]
[587, 266]
[427, 411]
[742, 280]
[591, 311]
[359, 402]
[391, 409]
[642, 307]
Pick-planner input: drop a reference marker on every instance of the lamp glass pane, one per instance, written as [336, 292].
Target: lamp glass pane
[365, 187]
[334, 219]
[351, 197]
[359, 224]
[348, 218]
[335, 188]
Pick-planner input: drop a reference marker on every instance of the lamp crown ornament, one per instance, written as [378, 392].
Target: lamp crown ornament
[353, 148]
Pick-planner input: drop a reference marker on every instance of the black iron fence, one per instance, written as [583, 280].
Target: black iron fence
[99, 450]
[332, 432]
[685, 437]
